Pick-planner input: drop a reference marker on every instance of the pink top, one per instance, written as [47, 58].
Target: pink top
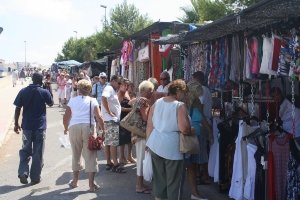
[61, 82]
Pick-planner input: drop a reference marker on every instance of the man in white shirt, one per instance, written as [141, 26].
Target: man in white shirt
[285, 110]
[15, 77]
[206, 102]
[164, 80]
[111, 111]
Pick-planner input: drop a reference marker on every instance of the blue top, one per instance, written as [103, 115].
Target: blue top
[99, 91]
[164, 139]
[196, 119]
[35, 117]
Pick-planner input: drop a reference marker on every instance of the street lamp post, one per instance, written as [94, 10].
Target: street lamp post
[103, 6]
[76, 34]
[25, 53]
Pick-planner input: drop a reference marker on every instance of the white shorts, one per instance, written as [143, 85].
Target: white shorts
[61, 93]
[14, 80]
[22, 80]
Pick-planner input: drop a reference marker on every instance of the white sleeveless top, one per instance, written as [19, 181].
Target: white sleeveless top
[164, 139]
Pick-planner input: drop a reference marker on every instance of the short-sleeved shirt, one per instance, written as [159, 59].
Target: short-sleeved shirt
[98, 89]
[206, 100]
[61, 83]
[80, 108]
[14, 74]
[113, 104]
[162, 89]
[35, 117]
[68, 84]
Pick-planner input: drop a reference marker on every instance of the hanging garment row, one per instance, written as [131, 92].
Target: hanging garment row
[244, 56]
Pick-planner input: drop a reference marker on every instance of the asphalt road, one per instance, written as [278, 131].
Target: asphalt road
[57, 172]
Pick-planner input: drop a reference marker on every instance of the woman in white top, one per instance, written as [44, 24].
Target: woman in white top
[163, 129]
[77, 121]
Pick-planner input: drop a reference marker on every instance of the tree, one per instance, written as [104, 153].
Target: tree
[123, 21]
[204, 10]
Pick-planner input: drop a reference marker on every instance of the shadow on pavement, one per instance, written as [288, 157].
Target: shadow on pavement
[56, 194]
[10, 188]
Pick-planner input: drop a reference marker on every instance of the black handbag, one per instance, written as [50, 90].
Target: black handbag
[295, 148]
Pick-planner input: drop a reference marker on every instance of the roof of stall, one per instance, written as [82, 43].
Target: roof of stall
[159, 27]
[259, 15]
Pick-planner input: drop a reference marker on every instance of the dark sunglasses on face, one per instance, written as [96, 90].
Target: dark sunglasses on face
[103, 77]
[164, 79]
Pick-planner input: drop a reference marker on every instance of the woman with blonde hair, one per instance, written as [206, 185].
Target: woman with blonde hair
[162, 132]
[193, 105]
[142, 107]
[80, 112]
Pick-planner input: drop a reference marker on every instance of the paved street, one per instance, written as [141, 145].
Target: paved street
[57, 170]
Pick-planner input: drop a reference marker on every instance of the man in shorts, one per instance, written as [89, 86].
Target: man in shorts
[61, 88]
[111, 111]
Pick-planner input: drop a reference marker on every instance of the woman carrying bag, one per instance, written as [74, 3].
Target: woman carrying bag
[76, 120]
[163, 129]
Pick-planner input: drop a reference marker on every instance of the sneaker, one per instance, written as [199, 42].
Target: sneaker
[23, 179]
[59, 105]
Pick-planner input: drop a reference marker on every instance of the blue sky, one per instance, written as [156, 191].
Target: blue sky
[46, 24]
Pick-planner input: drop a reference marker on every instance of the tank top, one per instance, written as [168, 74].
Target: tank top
[196, 119]
[164, 139]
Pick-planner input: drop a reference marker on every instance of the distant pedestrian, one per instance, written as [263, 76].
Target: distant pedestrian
[99, 87]
[15, 77]
[74, 84]
[77, 121]
[68, 87]
[61, 88]
[86, 77]
[32, 100]
[22, 76]
[48, 84]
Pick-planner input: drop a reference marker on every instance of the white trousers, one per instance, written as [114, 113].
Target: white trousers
[140, 156]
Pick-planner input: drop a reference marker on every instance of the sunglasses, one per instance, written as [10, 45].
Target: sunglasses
[103, 77]
[119, 83]
[164, 79]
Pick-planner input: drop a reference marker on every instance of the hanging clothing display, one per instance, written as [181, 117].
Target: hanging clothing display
[228, 134]
[278, 159]
[240, 165]
[213, 150]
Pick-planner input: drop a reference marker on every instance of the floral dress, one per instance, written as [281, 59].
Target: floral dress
[140, 103]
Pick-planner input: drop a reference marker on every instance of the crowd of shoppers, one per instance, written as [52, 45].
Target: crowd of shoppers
[159, 108]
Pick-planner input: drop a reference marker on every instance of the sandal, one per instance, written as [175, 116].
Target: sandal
[71, 184]
[132, 160]
[118, 169]
[145, 191]
[124, 161]
[96, 187]
[109, 166]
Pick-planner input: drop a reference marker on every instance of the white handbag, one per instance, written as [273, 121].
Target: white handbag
[147, 167]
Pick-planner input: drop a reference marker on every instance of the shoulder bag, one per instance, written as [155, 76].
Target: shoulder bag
[95, 143]
[295, 148]
[188, 144]
[134, 123]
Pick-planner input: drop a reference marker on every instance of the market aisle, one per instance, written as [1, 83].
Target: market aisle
[57, 172]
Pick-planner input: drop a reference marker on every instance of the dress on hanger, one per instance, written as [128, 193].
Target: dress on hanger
[278, 158]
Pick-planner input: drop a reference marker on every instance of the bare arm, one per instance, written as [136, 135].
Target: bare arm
[104, 102]
[150, 127]
[132, 102]
[66, 119]
[17, 127]
[99, 118]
